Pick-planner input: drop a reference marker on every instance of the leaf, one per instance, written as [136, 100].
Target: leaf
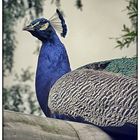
[119, 42]
[133, 15]
[130, 34]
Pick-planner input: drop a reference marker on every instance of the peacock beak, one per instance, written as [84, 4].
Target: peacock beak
[28, 28]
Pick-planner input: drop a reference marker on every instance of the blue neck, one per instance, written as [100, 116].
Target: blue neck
[52, 64]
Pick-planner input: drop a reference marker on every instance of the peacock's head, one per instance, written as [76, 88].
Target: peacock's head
[43, 28]
[39, 28]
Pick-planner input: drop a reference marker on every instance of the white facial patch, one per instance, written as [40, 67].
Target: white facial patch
[44, 26]
[35, 24]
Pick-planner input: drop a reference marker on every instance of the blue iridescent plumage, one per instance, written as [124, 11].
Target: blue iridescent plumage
[52, 62]
[98, 103]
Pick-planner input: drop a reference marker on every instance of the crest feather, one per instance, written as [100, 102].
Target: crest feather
[58, 22]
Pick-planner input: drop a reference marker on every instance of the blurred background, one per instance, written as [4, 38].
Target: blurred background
[98, 30]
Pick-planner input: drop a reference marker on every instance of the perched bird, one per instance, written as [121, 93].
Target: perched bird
[53, 61]
[106, 100]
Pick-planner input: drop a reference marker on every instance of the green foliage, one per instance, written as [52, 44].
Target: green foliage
[13, 11]
[25, 75]
[20, 97]
[129, 33]
[128, 37]
[78, 3]
[14, 96]
[14, 99]
[57, 3]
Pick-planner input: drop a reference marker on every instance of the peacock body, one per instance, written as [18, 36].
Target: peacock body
[85, 95]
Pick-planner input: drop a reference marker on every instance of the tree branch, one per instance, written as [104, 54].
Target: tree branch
[18, 126]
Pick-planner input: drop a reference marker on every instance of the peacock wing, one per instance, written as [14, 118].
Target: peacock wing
[97, 97]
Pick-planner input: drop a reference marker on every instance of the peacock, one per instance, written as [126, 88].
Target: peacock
[96, 97]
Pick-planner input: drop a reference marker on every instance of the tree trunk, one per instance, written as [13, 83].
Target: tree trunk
[18, 126]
